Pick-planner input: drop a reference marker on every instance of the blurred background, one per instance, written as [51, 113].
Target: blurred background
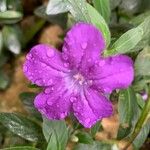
[23, 24]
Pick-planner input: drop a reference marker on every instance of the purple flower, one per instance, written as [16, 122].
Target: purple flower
[77, 79]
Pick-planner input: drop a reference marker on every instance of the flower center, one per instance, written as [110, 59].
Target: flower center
[78, 77]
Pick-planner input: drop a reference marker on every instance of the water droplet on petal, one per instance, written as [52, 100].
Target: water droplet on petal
[65, 57]
[62, 115]
[72, 99]
[50, 82]
[50, 53]
[84, 45]
[29, 56]
[38, 81]
[49, 103]
[89, 60]
[48, 90]
[87, 120]
[25, 68]
[102, 63]
[66, 65]
[43, 64]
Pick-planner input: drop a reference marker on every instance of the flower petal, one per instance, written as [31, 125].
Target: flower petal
[83, 44]
[112, 73]
[54, 102]
[43, 65]
[91, 107]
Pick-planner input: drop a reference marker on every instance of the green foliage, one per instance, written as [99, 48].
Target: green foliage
[56, 134]
[130, 39]
[27, 98]
[12, 38]
[84, 137]
[4, 80]
[142, 62]
[94, 146]
[103, 7]
[22, 126]
[95, 128]
[127, 106]
[21, 148]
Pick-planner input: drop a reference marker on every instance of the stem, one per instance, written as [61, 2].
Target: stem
[140, 123]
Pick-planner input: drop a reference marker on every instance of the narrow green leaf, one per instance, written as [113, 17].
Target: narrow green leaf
[10, 17]
[84, 137]
[127, 98]
[56, 134]
[78, 9]
[1, 42]
[140, 139]
[100, 23]
[129, 40]
[22, 126]
[94, 146]
[142, 62]
[4, 80]
[27, 99]
[59, 19]
[56, 6]
[103, 7]
[95, 128]
[127, 106]
[12, 38]
[20, 148]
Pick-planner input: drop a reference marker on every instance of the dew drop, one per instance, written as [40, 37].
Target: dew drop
[50, 53]
[87, 120]
[48, 90]
[101, 63]
[65, 57]
[89, 60]
[50, 82]
[66, 65]
[62, 115]
[72, 99]
[49, 103]
[38, 81]
[84, 45]
[25, 68]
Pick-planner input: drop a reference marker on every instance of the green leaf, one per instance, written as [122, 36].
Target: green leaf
[56, 134]
[10, 17]
[84, 137]
[30, 31]
[95, 128]
[142, 136]
[20, 148]
[129, 40]
[94, 146]
[56, 6]
[59, 19]
[78, 9]
[127, 106]
[3, 59]
[103, 7]
[127, 99]
[22, 126]
[142, 62]
[1, 42]
[4, 80]
[12, 38]
[100, 23]
[27, 99]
